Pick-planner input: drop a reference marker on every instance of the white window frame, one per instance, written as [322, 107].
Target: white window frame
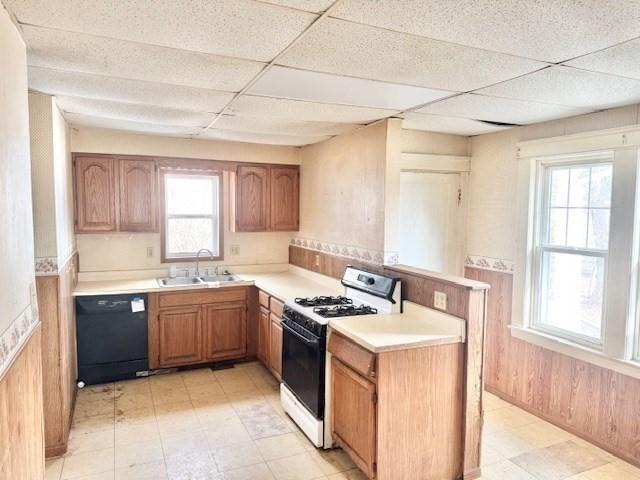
[216, 218]
[620, 348]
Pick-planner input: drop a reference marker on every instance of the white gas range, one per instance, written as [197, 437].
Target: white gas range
[305, 391]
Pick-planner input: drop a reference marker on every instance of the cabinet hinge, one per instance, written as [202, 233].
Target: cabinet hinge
[374, 397]
[459, 196]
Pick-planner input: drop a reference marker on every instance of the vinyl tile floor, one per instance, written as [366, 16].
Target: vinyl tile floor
[229, 425]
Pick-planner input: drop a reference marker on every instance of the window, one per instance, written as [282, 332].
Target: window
[191, 215]
[572, 253]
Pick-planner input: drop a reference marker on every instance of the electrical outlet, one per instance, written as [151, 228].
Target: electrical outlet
[440, 300]
[235, 249]
[317, 260]
[149, 252]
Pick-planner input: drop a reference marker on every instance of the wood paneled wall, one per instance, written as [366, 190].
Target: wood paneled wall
[21, 428]
[57, 314]
[595, 403]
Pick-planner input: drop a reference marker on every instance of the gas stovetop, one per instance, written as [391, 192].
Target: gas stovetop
[323, 301]
[344, 311]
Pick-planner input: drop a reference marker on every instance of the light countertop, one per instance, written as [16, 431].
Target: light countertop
[417, 327]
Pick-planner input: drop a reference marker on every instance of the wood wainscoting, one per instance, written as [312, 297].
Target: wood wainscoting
[21, 428]
[59, 360]
[597, 404]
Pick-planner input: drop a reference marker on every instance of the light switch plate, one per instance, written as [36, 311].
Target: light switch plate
[235, 249]
[440, 300]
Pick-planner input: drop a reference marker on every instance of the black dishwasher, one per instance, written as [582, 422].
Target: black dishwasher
[112, 337]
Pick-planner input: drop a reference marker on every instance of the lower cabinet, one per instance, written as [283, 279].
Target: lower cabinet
[270, 333]
[225, 331]
[275, 346]
[263, 335]
[353, 400]
[180, 334]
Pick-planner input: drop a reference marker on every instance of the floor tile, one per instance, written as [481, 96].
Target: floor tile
[184, 443]
[126, 434]
[133, 401]
[609, 471]
[90, 441]
[95, 423]
[258, 471]
[280, 446]
[237, 455]
[148, 471]
[354, 474]
[227, 435]
[94, 408]
[205, 390]
[53, 468]
[145, 451]
[543, 466]
[505, 470]
[332, 461]
[88, 463]
[200, 466]
[577, 456]
[542, 434]
[135, 416]
[266, 426]
[298, 467]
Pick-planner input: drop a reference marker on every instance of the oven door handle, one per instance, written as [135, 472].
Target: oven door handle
[299, 336]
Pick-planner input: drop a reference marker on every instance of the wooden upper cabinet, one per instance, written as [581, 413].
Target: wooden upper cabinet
[225, 331]
[138, 196]
[180, 336]
[252, 198]
[284, 183]
[95, 194]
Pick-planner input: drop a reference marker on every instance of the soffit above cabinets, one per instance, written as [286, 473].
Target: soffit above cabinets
[326, 88]
[444, 124]
[91, 121]
[345, 48]
[316, 6]
[570, 86]
[495, 109]
[234, 28]
[270, 139]
[547, 30]
[69, 83]
[623, 60]
[281, 126]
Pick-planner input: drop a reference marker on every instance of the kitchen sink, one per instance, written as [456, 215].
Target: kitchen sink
[179, 281]
[225, 278]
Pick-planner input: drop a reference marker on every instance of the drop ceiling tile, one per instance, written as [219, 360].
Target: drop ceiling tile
[134, 112]
[444, 124]
[345, 48]
[570, 86]
[549, 30]
[307, 111]
[79, 120]
[623, 60]
[102, 56]
[235, 28]
[270, 139]
[495, 109]
[316, 6]
[60, 82]
[280, 126]
[327, 88]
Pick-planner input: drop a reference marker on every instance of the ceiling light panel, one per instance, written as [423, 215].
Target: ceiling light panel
[623, 60]
[549, 30]
[134, 112]
[281, 126]
[60, 82]
[269, 139]
[444, 124]
[327, 88]
[570, 86]
[495, 109]
[238, 28]
[79, 120]
[307, 111]
[102, 56]
[345, 48]
[317, 6]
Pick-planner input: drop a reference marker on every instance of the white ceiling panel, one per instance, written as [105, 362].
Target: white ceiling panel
[444, 124]
[280, 126]
[495, 109]
[327, 88]
[229, 135]
[345, 48]
[59, 82]
[79, 120]
[237, 28]
[316, 6]
[570, 86]
[623, 60]
[549, 30]
[102, 56]
[134, 112]
[307, 111]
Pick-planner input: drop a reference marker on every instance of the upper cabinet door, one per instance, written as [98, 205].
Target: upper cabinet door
[138, 196]
[252, 198]
[95, 195]
[284, 198]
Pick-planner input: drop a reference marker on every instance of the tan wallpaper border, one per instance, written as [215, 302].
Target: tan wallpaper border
[489, 263]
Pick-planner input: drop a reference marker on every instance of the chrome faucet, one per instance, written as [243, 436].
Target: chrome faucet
[198, 259]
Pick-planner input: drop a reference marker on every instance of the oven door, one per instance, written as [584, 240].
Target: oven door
[303, 360]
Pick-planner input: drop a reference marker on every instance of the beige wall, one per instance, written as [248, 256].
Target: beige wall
[415, 141]
[492, 186]
[16, 234]
[128, 252]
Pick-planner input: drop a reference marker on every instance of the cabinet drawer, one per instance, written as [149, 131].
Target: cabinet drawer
[263, 298]
[201, 297]
[353, 355]
[276, 307]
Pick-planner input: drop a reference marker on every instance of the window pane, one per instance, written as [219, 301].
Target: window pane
[572, 293]
[577, 228]
[191, 195]
[188, 235]
[559, 188]
[599, 229]
[579, 187]
[600, 195]
[558, 226]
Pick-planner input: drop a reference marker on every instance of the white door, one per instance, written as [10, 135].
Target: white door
[431, 221]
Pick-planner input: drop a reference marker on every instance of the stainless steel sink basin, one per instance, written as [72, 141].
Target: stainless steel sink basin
[179, 281]
[226, 278]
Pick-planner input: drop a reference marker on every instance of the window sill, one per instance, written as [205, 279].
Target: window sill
[571, 349]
